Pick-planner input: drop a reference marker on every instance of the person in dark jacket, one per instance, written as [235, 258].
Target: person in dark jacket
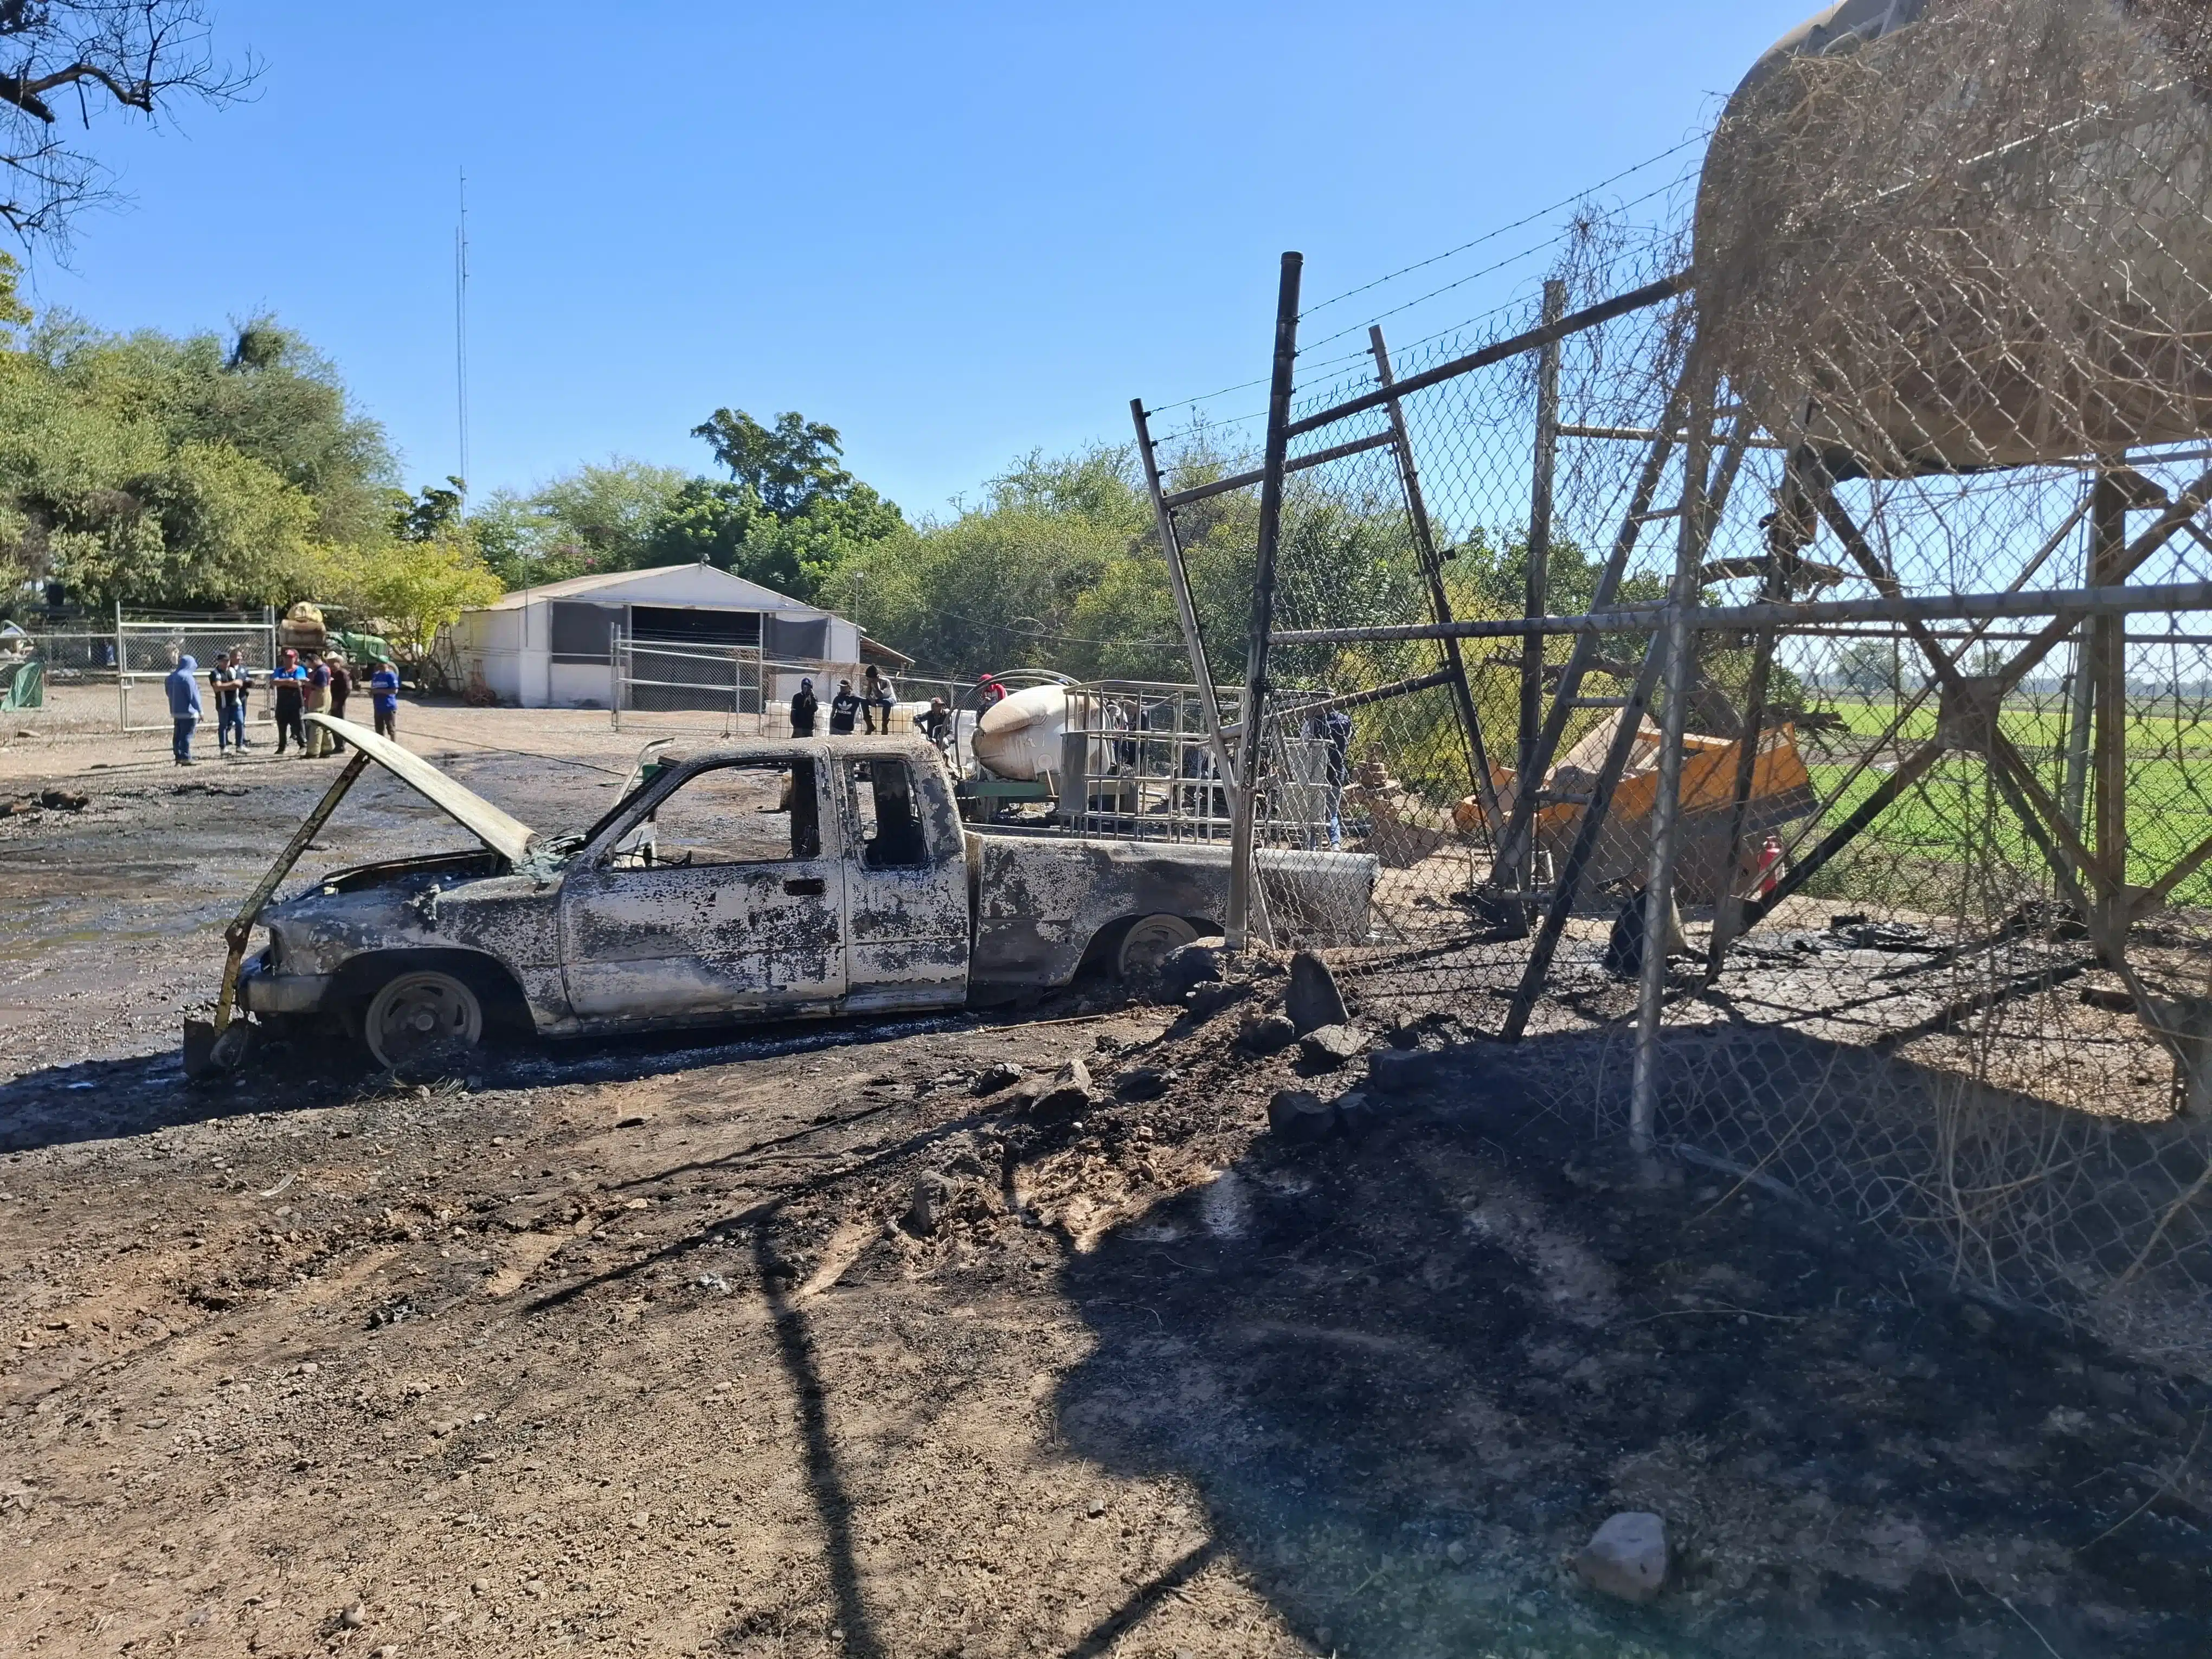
[318, 702]
[936, 722]
[844, 710]
[229, 680]
[802, 710]
[341, 688]
[289, 682]
[184, 707]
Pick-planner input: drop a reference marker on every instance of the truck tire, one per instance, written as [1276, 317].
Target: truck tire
[422, 1020]
[1148, 941]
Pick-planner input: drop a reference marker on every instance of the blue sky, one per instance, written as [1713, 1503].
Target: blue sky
[956, 233]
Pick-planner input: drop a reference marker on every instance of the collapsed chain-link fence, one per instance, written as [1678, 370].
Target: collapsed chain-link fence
[1873, 549]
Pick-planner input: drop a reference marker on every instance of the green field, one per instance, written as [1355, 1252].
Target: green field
[1953, 822]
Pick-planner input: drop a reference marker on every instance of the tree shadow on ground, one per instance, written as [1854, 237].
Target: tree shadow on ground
[1411, 1375]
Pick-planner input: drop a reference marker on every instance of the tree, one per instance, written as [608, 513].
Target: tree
[1869, 667]
[429, 515]
[789, 467]
[408, 590]
[593, 518]
[78, 60]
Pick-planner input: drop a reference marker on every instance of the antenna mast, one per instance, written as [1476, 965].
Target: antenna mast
[461, 331]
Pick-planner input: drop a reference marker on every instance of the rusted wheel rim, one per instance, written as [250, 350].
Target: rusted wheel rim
[420, 1020]
[1148, 941]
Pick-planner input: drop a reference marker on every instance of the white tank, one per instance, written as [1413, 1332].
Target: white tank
[1975, 232]
[1019, 736]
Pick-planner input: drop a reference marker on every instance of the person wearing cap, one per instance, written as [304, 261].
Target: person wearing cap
[289, 681]
[844, 710]
[803, 705]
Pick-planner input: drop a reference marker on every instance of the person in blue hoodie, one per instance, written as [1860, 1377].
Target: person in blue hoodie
[183, 705]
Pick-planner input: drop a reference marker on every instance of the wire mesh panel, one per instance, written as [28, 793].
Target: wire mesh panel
[148, 651]
[686, 686]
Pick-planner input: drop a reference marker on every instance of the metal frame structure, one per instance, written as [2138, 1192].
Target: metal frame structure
[1710, 441]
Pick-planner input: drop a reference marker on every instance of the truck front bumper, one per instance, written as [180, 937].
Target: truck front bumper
[261, 992]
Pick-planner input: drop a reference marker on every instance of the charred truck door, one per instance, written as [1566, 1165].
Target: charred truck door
[723, 894]
[906, 888]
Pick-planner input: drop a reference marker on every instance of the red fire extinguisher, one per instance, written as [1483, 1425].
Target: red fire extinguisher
[1770, 860]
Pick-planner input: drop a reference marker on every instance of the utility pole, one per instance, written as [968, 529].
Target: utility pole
[461, 333]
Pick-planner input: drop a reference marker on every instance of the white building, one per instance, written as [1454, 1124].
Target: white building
[551, 646]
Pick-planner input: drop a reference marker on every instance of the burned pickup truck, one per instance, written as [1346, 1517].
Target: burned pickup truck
[767, 880]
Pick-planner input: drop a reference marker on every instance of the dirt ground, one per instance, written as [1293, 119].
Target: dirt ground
[794, 1343]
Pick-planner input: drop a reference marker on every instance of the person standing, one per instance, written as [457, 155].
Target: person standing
[1333, 727]
[802, 710]
[228, 680]
[844, 707]
[341, 690]
[183, 707]
[383, 693]
[289, 682]
[875, 697]
[318, 702]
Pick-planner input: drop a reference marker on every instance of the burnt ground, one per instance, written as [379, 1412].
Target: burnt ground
[648, 1346]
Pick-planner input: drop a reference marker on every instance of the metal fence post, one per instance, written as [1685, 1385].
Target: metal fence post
[1537, 583]
[1425, 547]
[122, 676]
[614, 676]
[1194, 642]
[2106, 671]
[1666, 810]
[1247, 783]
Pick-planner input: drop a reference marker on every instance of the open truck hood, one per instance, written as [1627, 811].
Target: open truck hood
[505, 835]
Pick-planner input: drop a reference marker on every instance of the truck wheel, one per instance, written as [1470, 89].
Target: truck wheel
[422, 1020]
[1148, 941]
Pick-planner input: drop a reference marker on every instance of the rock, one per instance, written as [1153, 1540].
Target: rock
[353, 1617]
[1327, 1047]
[714, 1284]
[925, 1213]
[480, 1586]
[1142, 1083]
[1189, 965]
[1313, 999]
[1404, 1070]
[1300, 1115]
[991, 1078]
[63, 800]
[1204, 1001]
[1267, 1034]
[1070, 1092]
[1626, 1557]
[1357, 1112]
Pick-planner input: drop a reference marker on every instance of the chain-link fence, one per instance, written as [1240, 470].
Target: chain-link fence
[735, 690]
[147, 651]
[1848, 824]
